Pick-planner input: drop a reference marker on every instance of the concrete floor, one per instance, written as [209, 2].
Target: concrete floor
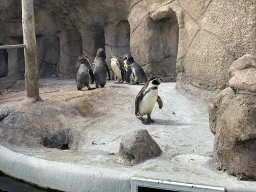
[181, 130]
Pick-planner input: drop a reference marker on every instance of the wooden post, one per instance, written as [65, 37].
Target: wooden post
[30, 51]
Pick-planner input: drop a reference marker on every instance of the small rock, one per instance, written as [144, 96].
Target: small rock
[137, 146]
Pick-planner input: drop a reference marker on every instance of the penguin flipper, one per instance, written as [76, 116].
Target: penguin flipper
[122, 73]
[160, 102]
[92, 76]
[108, 72]
[138, 99]
[128, 74]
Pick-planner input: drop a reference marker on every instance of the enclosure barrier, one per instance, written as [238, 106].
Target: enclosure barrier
[12, 46]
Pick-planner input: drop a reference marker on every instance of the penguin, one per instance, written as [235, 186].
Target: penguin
[134, 69]
[100, 68]
[118, 68]
[146, 99]
[84, 73]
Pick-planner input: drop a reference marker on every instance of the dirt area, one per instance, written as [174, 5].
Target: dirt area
[97, 119]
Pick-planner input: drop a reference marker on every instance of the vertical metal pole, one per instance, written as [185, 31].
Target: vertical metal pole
[30, 51]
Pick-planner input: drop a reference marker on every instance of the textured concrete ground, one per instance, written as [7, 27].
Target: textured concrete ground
[181, 130]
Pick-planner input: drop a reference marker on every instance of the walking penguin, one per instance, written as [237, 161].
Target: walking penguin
[146, 99]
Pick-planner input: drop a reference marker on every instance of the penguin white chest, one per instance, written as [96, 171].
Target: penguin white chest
[148, 102]
[116, 69]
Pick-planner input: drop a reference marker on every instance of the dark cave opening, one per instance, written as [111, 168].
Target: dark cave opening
[3, 62]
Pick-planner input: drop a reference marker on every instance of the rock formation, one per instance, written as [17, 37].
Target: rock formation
[191, 42]
[137, 146]
[39, 124]
[232, 118]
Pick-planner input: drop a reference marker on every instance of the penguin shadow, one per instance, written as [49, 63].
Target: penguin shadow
[119, 86]
[92, 88]
[167, 122]
[132, 83]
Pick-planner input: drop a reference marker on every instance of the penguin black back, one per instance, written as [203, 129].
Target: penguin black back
[137, 72]
[101, 53]
[101, 68]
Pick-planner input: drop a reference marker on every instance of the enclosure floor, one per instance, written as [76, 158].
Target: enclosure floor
[181, 129]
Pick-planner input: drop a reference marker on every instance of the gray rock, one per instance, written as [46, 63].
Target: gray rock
[243, 73]
[245, 62]
[162, 12]
[59, 139]
[154, 43]
[235, 138]
[217, 108]
[39, 124]
[232, 120]
[137, 146]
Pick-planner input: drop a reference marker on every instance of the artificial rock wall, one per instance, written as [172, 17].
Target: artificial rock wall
[191, 42]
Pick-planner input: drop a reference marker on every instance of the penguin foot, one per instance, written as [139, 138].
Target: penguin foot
[145, 122]
[117, 82]
[79, 89]
[132, 83]
[149, 120]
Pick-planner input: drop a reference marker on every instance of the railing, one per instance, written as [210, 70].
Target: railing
[12, 46]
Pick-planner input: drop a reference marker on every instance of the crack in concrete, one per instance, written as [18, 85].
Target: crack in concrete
[16, 162]
[139, 23]
[34, 178]
[89, 52]
[186, 11]
[205, 9]
[195, 20]
[189, 45]
[2, 116]
[135, 5]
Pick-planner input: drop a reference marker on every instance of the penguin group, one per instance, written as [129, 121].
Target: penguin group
[127, 71]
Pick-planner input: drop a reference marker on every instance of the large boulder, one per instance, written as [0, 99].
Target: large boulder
[232, 118]
[39, 124]
[154, 40]
[217, 108]
[137, 146]
[243, 73]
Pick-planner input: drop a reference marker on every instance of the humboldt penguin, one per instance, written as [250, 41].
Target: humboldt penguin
[134, 69]
[117, 68]
[84, 73]
[146, 99]
[101, 68]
